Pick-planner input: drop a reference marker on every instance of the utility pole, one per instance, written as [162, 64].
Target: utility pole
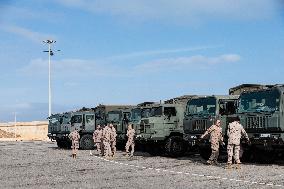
[15, 125]
[50, 53]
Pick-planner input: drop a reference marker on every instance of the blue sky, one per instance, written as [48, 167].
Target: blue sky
[131, 51]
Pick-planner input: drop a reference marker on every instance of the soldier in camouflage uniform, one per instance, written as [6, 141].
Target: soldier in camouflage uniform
[106, 141]
[130, 142]
[112, 139]
[235, 132]
[74, 137]
[215, 132]
[97, 136]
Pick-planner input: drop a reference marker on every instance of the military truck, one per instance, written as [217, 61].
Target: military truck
[142, 110]
[201, 113]
[162, 131]
[120, 118]
[59, 127]
[246, 88]
[261, 113]
[86, 121]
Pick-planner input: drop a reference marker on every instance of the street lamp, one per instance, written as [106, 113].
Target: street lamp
[50, 53]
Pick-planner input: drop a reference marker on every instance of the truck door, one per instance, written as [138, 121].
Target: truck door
[77, 122]
[170, 120]
[90, 122]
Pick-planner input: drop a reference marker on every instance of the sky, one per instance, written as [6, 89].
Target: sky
[131, 51]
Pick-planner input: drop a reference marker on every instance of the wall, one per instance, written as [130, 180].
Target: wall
[35, 130]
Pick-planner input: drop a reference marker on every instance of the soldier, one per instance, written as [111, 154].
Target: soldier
[130, 142]
[215, 132]
[112, 139]
[74, 137]
[97, 136]
[106, 141]
[235, 132]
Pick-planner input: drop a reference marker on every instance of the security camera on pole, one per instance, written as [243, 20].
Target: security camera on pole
[50, 53]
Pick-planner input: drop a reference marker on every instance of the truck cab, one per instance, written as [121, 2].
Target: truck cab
[120, 118]
[163, 128]
[59, 128]
[201, 113]
[85, 123]
[261, 114]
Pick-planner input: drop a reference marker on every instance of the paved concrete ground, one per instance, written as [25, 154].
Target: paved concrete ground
[43, 165]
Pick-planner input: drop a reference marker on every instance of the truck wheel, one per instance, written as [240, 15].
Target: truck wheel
[205, 151]
[175, 146]
[60, 143]
[86, 142]
[263, 156]
[153, 149]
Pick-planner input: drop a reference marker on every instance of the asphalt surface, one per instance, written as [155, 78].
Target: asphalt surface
[43, 165]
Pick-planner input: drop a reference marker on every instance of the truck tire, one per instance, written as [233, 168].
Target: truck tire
[175, 146]
[86, 142]
[60, 143]
[205, 151]
[263, 156]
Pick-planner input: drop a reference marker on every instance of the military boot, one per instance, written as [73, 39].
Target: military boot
[228, 166]
[238, 166]
[209, 162]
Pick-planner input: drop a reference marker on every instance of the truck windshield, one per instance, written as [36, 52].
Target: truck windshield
[114, 116]
[259, 101]
[145, 112]
[201, 106]
[136, 114]
[156, 111]
[66, 118]
[76, 119]
[53, 119]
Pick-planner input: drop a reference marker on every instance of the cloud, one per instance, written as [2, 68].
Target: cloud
[180, 63]
[104, 67]
[71, 68]
[34, 36]
[160, 52]
[189, 11]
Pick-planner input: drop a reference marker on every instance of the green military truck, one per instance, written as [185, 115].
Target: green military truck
[141, 111]
[261, 113]
[201, 113]
[120, 118]
[86, 121]
[59, 127]
[162, 130]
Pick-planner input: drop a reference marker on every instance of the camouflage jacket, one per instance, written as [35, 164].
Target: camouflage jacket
[112, 134]
[215, 134]
[130, 134]
[74, 136]
[106, 134]
[235, 132]
[98, 134]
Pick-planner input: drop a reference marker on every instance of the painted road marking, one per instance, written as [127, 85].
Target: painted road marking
[193, 174]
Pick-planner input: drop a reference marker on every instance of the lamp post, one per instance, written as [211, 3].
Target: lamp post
[15, 125]
[50, 53]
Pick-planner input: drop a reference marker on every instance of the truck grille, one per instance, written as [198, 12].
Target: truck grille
[257, 122]
[199, 125]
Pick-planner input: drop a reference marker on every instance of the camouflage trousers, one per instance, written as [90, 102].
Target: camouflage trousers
[113, 147]
[128, 144]
[215, 152]
[107, 149]
[233, 150]
[75, 146]
[99, 147]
